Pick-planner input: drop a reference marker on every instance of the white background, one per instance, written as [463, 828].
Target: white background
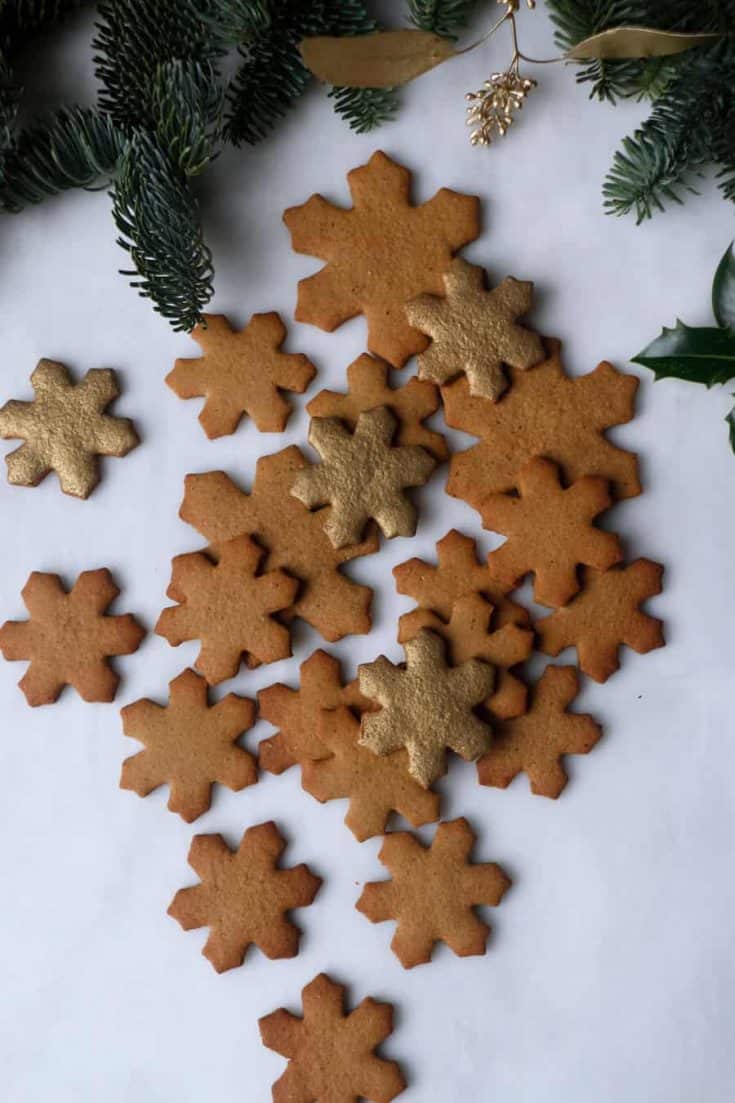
[610, 972]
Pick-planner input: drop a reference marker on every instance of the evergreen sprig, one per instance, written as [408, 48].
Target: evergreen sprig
[186, 109]
[77, 148]
[272, 75]
[364, 109]
[158, 219]
[444, 17]
[578, 19]
[21, 19]
[692, 124]
[235, 21]
[134, 38]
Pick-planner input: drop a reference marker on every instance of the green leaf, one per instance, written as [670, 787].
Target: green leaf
[730, 419]
[723, 290]
[703, 354]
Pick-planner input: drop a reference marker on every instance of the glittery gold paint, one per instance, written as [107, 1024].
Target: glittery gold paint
[65, 429]
[474, 330]
[362, 476]
[427, 707]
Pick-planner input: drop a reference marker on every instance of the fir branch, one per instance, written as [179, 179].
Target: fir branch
[444, 17]
[612, 80]
[20, 19]
[157, 216]
[693, 119]
[578, 19]
[723, 150]
[646, 172]
[365, 109]
[235, 21]
[655, 76]
[9, 97]
[272, 75]
[692, 124]
[77, 148]
[9, 100]
[726, 175]
[134, 38]
[268, 81]
[186, 104]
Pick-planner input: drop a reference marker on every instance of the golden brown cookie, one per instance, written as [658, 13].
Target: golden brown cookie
[331, 1053]
[471, 633]
[244, 897]
[375, 785]
[296, 712]
[427, 707]
[228, 606]
[458, 572]
[544, 413]
[535, 744]
[65, 429]
[293, 538]
[605, 615]
[368, 387]
[241, 372]
[475, 331]
[189, 744]
[550, 531]
[380, 254]
[432, 893]
[69, 637]
[362, 476]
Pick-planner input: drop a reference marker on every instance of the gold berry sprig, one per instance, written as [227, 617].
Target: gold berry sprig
[491, 109]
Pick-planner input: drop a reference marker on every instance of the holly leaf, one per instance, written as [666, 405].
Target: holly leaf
[698, 354]
[730, 419]
[723, 290]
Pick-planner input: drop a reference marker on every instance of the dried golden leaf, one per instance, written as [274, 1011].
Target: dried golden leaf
[627, 42]
[380, 60]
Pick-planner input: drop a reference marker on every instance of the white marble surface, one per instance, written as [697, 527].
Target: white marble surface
[610, 972]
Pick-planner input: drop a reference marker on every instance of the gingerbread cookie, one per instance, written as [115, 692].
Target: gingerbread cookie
[362, 476]
[297, 712]
[471, 634]
[228, 606]
[427, 707]
[332, 1053]
[457, 573]
[535, 744]
[605, 615]
[65, 429]
[69, 637]
[433, 892]
[368, 388]
[294, 540]
[375, 785]
[544, 413]
[550, 531]
[189, 744]
[241, 372]
[474, 331]
[381, 253]
[244, 896]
